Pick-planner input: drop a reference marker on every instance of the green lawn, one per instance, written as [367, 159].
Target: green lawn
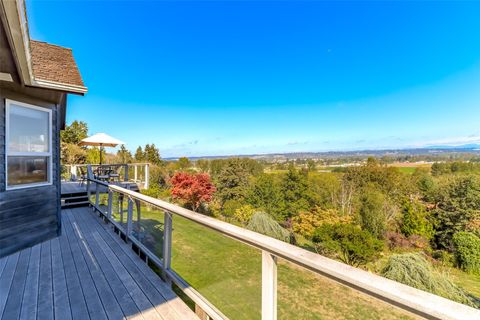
[228, 274]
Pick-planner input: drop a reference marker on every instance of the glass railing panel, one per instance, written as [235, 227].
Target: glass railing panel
[305, 295]
[223, 270]
[148, 227]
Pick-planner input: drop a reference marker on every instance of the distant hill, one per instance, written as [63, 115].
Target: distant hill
[430, 150]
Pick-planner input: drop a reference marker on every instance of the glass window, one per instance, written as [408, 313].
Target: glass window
[29, 154]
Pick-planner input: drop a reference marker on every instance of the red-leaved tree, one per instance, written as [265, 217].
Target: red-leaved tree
[193, 189]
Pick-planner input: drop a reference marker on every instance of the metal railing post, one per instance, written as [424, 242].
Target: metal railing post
[147, 176]
[269, 286]
[129, 217]
[110, 204]
[167, 244]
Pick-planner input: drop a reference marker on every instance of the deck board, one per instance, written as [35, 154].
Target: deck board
[86, 273]
[30, 294]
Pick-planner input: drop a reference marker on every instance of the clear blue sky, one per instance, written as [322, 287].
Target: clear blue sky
[241, 77]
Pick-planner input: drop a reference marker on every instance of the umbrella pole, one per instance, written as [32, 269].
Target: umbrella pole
[101, 154]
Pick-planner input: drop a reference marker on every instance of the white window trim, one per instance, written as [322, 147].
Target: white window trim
[49, 154]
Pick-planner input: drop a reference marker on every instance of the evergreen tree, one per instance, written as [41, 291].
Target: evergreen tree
[139, 154]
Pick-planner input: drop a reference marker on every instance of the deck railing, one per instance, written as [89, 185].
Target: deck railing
[128, 172]
[418, 302]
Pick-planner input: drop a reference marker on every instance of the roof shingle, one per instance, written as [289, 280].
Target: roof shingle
[54, 63]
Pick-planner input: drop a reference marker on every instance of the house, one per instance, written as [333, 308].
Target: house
[35, 78]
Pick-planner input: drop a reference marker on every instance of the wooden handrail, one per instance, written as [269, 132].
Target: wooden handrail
[405, 297]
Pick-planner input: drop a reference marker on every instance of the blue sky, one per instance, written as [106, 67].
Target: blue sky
[242, 77]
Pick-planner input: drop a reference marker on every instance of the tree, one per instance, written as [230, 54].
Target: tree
[74, 132]
[296, 193]
[262, 222]
[152, 154]
[266, 194]
[70, 137]
[192, 189]
[183, 163]
[311, 165]
[139, 154]
[124, 155]
[203, 165]
[232, 181]
[349, 243]
[414, 220]
[371, 213]
[457, 204]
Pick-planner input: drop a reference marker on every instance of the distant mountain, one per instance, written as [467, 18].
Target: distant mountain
[471, 146]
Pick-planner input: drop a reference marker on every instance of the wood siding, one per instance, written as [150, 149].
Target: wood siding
[31, 215]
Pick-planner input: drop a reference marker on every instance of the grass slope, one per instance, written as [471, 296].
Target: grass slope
[228, 274]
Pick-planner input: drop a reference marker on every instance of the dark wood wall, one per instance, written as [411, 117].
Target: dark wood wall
[31, 215]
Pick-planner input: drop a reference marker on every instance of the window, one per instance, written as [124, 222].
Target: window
[28, 145]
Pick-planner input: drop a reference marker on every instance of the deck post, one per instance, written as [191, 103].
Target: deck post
[97, 198]
[129, 217]
[147, 176]
[110, 202]
[167, 244]
[73, 172]
[135, 173]
[89, 192]
[269, 286]
[126, 172]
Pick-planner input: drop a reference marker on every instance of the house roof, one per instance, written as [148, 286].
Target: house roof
[54, 63]
[39, 64]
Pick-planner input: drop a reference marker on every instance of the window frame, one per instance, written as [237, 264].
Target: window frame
[49, 154]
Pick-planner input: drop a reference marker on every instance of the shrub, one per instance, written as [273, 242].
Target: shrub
[444, 257]
[305, 223]
[467, 251]
[244, 213]
[348, 242]
[263, 223]
[414, 270]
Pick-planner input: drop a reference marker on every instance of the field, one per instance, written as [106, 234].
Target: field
[228, 274]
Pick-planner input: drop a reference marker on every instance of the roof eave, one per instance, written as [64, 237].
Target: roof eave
[70, 88]
[15, 21]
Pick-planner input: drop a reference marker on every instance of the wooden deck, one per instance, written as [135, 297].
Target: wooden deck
[87, 273]
[74, 187]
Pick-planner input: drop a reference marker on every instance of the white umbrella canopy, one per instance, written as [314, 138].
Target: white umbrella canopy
[100, 140]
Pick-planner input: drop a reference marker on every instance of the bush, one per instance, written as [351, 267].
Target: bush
[263, 223]
[348, 242]
[414, 270]
[305, 223]
[467, 251]
[444, 257]
[244, 213]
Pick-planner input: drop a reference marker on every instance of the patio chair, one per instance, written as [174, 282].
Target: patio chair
[115, 174]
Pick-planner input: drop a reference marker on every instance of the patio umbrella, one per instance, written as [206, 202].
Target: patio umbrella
[100, 140]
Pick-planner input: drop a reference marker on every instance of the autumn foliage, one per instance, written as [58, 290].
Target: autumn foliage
[193, 189]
